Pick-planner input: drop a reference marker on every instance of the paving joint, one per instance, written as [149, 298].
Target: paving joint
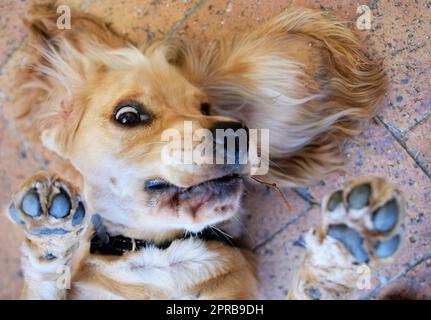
[181, 23]
[419, 120]
[281, 229]
[408, 267]
[399, 137]
[306, 196]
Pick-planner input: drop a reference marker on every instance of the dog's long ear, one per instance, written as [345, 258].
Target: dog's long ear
[58, 63]
[302, 76]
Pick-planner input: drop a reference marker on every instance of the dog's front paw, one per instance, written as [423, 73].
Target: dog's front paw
[366, 217]
[52, 214]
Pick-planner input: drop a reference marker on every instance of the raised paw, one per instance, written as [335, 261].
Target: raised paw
[51, 212]
[366, 218]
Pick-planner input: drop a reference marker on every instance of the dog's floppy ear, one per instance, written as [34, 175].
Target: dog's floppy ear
[301, 75]
[58, 65]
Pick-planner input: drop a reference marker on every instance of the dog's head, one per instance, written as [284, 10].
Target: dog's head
[118, 106]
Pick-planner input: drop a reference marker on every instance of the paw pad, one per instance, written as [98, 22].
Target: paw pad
[60, 205]
[365, 217]
[351, 239]
[385, 218]
[384, 249]
[47, 206]
[14, 214]
[31, 205]
[359, 197]
[335, 200]
[79, 215]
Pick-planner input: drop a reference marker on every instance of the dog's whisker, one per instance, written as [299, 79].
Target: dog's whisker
[152, 143]
[273, 163]
[221, 231]
[150, 153]
[244, 227]
[228, 237]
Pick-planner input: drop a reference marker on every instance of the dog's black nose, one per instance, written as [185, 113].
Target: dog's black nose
[230, 143]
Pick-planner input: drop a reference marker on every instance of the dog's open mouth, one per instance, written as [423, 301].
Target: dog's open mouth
[160, 185]
[211, 191]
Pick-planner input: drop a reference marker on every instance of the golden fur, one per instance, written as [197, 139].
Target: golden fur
[302, 75]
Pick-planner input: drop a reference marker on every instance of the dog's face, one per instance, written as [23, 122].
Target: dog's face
[120, 112]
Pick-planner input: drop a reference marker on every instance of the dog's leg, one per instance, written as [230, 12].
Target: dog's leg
[361, 226]
[52, 214]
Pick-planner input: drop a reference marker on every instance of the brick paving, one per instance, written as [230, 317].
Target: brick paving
[397, 145]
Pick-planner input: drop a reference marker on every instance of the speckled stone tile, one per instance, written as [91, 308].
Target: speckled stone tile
[418, 142]
[16, 163]
[381, 155]
[11, 29]
[10, 274]
[16, 159]
[222, 17]
[279, 260]
[266, 213]
[412, 287]
[401, 36]
[140, 21]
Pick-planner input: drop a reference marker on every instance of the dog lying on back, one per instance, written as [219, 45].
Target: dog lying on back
[102, 104]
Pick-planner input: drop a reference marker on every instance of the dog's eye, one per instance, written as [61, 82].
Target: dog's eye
[130, 114]
[205, 108]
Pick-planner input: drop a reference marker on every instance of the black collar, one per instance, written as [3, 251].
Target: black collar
[105, 244]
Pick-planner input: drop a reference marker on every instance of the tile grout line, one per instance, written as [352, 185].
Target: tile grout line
[307, 197]
[399, 138]
[419, 120]
[409, 267]
[187, 15]
[281, 229]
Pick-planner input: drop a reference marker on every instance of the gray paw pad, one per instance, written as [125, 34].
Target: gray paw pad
[31, 204]
[43, 231]
[385, 218]
[79, 215]
[335, 200]
[60, 206]
[351, 239]
[384, 249]
[359, 197]
[13, 213]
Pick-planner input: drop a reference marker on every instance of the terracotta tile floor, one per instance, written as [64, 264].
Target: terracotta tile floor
[397, 145]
